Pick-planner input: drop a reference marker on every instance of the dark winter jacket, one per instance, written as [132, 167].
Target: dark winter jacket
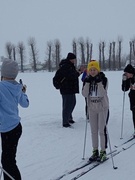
[70, 84]
[126, 86]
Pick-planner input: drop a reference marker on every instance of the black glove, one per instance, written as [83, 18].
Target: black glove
[24, 88]
[102, 75]
[89, 79]
[98, 78]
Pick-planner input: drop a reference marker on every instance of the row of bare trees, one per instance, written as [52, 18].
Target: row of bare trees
[111, 56]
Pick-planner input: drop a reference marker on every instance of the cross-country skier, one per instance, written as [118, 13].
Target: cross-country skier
[95, 90]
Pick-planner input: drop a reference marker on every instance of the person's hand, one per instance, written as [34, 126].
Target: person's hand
[98, 78]
[82, 69]
[89, 79]
[24, 88]
[124, 77]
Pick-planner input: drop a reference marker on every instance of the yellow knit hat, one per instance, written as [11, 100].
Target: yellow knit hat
[93, 63]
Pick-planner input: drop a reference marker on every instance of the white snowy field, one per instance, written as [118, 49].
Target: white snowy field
[46, 149]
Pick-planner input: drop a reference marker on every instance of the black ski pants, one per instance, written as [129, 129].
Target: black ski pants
[68, 104]
[9, 148]
[105, 131]
[133, 115]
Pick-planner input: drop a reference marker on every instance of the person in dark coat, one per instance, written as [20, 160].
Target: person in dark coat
[69, 87]
[128, 83]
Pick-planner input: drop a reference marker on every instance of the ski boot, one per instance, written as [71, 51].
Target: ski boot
[102, 156]
[94, 156]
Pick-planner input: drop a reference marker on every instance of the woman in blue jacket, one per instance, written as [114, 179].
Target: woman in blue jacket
[11, 94]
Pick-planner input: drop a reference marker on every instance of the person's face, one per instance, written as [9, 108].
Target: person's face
[129, 75]
[73, 61]
[93, 72]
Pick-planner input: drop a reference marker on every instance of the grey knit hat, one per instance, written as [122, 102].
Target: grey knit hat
[9, 69]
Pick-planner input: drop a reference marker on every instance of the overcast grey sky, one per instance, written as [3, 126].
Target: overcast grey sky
[66, 19]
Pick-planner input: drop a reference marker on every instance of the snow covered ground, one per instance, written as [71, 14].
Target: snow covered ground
[46, 149]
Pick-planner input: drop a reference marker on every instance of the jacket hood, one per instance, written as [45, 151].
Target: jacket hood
[13, 86]
[63, 61]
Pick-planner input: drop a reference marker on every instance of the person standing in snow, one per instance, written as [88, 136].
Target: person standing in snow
[11, 94]
[128, 82]
[69, 87]
[95, 90]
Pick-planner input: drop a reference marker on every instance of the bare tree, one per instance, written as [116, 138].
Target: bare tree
[87, 51]
[21, 52]
[9, 49]
[33, 53]
[49, 54]
[57, 46]
[103, 55]
[91, 50]
[74, 45]
[119, 52]
[100, 53]
[130, 54]
[113, 49]
[133, 45]
[110, 56]
[133, 48]
[82, 50]
[14, 52]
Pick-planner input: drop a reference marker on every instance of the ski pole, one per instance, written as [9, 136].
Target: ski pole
[114, 167]
[2, 170]
[85, 132]
[0, 174]
[85, 138]
[122, 115]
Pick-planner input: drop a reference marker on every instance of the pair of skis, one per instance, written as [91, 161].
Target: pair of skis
[98, 163]
[95, 164]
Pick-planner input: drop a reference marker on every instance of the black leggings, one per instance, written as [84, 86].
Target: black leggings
[133, 115]
[9, 148]
[105, 130]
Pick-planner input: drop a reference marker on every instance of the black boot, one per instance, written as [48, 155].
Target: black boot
[66, 125]
[102, 156]
[94, 156]
[71, 121]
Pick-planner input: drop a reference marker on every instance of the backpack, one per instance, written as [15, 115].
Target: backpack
[58, 79]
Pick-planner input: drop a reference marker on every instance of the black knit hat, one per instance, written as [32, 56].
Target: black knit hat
[129, 69]
[71, 56]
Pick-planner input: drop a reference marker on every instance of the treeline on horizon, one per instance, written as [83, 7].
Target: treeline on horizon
[111, 56]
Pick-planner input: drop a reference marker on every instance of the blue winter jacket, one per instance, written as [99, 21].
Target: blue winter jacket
[10, 96]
